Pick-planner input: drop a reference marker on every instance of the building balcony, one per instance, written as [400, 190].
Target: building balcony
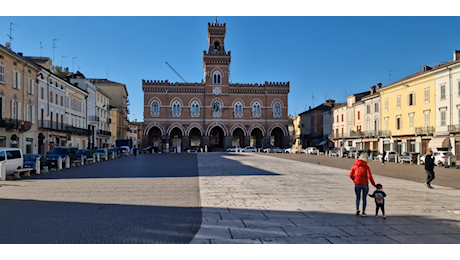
[337, 136]
[15, 124]
[93, 119]
[50, 125]
[102, 132]
[453, 129]
[424, 130]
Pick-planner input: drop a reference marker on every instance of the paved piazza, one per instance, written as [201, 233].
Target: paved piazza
[255, 198]
[245, 198]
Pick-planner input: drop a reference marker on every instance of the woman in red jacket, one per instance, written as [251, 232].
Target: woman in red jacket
[360, 174]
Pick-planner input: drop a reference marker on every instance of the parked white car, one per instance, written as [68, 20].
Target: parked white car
[441, 158]
[389, 157]
[12, 159]
[310, 150]
[250, 149]
[272, 149]
[291, 150]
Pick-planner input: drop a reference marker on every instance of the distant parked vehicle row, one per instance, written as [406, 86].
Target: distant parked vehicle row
[441, 158]
[310, 150]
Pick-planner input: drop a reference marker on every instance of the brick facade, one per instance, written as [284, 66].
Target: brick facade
[215, 112]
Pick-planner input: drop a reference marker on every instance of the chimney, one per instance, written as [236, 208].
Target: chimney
[20, 53]
[372, 90]
[379, 85]
[426, 68]
[456, 55]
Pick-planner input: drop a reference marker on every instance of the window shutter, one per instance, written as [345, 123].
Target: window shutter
[33, 115]
[12, 110]
[19, 110]
[14, 79]
[3, 107]
[413, 98]
[19, 81]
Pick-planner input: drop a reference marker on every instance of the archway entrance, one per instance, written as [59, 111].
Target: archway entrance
[216, 137]
[154, 138]
[176, 139]
[276, 138]
[195, 137]
[238, 137]
[256, 137]
[41, 143]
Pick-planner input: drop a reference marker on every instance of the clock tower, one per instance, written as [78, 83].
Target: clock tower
[216, 61]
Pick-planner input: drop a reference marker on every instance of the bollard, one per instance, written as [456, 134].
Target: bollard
[2, 171]
[94, 158]
[418, 159]
[106, 157]
[449, 162]
[45, 169]
[37, 165]
[59, 163]
[201, 149]
[317, 152]
[356, 155]
[206, 148]
[67, 162]
[258, 150]
[98, 157]
[82, 160]
[113, 156]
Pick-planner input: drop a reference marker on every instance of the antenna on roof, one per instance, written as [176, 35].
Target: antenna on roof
[107, 75]
[11, 29]
[41, 49]
[313, 99]
[325, 95]
[389, 75]
[54, 46]
[62, 61]
[73, 63]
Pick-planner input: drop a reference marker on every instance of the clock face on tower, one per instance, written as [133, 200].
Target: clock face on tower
[216, 90]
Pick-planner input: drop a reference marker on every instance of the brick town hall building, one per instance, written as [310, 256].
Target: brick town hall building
[215, 112]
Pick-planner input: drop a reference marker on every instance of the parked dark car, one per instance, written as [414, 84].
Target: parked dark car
[193, 149]
[31, 159]
[83, 152]
[336, 151]
[61, 151]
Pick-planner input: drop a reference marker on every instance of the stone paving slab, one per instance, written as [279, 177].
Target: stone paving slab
[313, 203]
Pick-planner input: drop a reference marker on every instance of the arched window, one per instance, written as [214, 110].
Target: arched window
[195, 109]
[238, 109]
[176, 109]
[217, 78]
[155, 109]
[256, 111]
[277, 110]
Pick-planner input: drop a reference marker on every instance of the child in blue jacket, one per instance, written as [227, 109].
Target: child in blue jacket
[379, 196]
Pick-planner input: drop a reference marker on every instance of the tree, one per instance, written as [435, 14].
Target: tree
[61, 73]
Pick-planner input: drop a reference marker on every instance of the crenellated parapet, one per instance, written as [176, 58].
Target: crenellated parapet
[155, 82]
[265, 85]
[217, 53]
[167, 83]
[220, 25]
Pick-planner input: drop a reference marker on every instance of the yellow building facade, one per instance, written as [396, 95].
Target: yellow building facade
[408, 112]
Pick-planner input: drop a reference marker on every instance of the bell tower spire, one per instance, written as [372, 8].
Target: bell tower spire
[216, 61]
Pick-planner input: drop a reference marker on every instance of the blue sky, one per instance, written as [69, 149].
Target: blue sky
[321, 56]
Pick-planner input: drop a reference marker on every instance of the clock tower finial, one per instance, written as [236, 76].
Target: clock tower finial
[216, 20]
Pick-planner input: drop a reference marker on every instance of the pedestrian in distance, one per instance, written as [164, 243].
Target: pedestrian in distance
[429, 168]
[383, 157]
[361, 174]
[379, 196]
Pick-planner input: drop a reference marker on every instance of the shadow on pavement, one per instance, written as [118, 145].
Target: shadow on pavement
[47, 222]
[241, 226]
[146, 166]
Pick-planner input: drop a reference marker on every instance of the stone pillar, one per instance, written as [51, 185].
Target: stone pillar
[247, 141]
[37, 165]
[266, 142]
[204, 141]
[2, 171]
[185, 142]
[67, 162]
[228, 141]
[59, 163]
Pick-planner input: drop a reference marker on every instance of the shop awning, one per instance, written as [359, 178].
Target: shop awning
[322, 142]
[439, 142]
